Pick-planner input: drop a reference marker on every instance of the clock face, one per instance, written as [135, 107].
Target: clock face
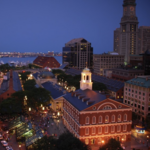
[125, 8]
[132, 8]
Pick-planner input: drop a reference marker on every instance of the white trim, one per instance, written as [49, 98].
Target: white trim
[92, 120]
[105, 135]
[104, 124]
[104, 111]
[107, 103]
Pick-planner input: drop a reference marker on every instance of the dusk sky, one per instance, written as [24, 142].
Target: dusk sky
[46, 25]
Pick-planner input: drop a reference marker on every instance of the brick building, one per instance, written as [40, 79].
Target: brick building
[125, 74]
[93, 117]
[42, 61]
[9, 85]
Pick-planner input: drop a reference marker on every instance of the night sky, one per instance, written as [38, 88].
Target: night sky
[46, 25]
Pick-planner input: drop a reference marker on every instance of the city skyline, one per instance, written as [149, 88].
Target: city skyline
[38, 26]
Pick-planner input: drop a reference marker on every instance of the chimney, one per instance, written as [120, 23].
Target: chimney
[72, 94]
[85, 99]
[107, 96]
[89, 102]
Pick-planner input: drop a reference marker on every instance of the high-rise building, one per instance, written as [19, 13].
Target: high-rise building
[144, 38]
[129, 39]
[128, 30]
[106, 61]
[116, 40]
[77, 52]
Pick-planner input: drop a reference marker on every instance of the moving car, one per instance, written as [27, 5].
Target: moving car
[4, 143]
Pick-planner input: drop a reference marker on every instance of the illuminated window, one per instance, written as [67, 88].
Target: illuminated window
[106, 119]
[119, 118]
[86, 141]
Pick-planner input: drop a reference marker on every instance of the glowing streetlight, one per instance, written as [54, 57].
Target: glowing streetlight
[103, 141]
[41, 105]
[29, 108]
[43, 108]
[58, 113]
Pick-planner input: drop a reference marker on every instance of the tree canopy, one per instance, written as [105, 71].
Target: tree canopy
[66, 141]
[112, 144]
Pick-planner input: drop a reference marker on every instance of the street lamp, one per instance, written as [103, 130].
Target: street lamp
[29, 108]
[43, 108]
[19, 146]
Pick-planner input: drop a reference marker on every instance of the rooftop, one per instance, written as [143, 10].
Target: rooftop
[143, 81]
[111, 84]
[89, 95]
[55, 90]
[15, 81]
[77, 40]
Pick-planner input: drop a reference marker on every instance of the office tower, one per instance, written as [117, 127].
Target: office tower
[77, 52]
[128, 30]
[116, 40]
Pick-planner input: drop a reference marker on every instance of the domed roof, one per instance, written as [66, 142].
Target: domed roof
[86, 70]
[46, 74]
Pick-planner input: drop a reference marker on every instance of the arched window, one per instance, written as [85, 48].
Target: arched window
[87, 120]
[87, 77]
[100, 119]
[99, 130]
[118, 128]
[86, 131]
[106, 129]
[112, 128]
[93, 130]
[124, 127]
[107, 107]
[113, 118]
[106, 119]
[93, 120]
[125, 117]
[119, 118]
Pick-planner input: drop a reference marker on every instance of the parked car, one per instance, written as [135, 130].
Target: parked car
[1, 137]
[4, 143]
[8, 148]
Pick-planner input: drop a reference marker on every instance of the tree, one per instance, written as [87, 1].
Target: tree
[66, 141]
[11, 106]
[99, 86]
[45, 143]
[24, 75]
[29, 85]
[112, 144]
[38, 96]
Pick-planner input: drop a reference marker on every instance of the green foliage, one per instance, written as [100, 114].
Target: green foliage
[29, 85]
[57, 72]
[99, 86]
[11, 106]
[5, 68]
[32, 66]
[38, 96]
[24, 76]
[66, 141]
[112, 144]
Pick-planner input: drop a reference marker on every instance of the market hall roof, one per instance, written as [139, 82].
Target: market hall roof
[55, 90]
[13, 82]
[88, 95]
[43, 62]
[111, 84]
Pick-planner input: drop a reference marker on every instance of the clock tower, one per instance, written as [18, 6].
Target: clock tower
[128, 30]
[86, 82]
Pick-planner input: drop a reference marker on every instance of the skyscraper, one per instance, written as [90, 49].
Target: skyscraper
[77, 52]
[128, 30]
[129, 39]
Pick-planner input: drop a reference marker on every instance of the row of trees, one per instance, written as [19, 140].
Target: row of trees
[67, 141]
[31, 96]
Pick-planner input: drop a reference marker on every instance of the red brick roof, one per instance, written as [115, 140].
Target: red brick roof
[43, 62]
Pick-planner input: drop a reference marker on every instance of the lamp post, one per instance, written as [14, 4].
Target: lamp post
[147, 139]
